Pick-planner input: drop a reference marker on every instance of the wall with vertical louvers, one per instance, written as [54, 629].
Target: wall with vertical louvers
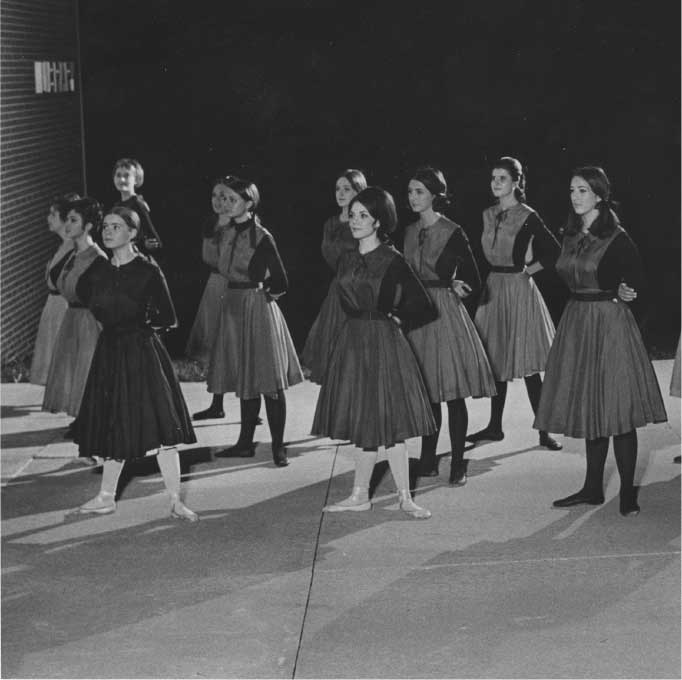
[40, 156]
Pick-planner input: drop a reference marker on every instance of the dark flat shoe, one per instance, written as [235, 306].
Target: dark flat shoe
[237, 451]
[279, 456]
[208, 414]
[486, 435]
[549, 442]
[580, 498]
[427, 469]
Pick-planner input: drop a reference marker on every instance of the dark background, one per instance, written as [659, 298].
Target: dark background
[289, 95]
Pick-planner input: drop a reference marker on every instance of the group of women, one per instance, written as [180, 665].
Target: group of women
[393, 339]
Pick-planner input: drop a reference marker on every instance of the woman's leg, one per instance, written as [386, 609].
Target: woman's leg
[276, 408]
[105, 501]
[400, 469]
[215, 410]
[428, 463]
[244, 448]
[592, 492]
[365, 461]
[534, 389]
[493, 431]
[625, 449]
[458, 417]
[169, 464]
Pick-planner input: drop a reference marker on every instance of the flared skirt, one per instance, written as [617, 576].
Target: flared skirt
[48, 329]
[599, 381]
[71, 359]
[205, 326]
[253, 352]
[450, 354]
[514, 325]
[373, 394]
[132, 402]
[323, 335]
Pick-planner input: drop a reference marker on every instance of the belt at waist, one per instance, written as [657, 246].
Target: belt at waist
[506, 270]
[53, 292]
[435, 283]
[367, 316]
[77, 305]
[243, 285]
[595, 297]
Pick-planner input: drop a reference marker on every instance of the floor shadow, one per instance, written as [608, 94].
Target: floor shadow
[18, 440]
[17, 411]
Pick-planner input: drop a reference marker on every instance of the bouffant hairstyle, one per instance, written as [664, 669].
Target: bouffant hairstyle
[381, 207]
[606, 221]
[90, 211]
[434, 180]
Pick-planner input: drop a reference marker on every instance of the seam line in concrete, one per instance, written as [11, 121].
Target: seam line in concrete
[314, 562]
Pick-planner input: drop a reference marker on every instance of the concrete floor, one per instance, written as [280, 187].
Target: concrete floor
[496, 584]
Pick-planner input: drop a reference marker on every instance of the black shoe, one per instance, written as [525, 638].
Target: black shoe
[209, 413]
[427, 468]
[458, 474]
[279, 455]
[677, 459]
[68, 433]
[549, 442]
[580, 498]
[628, 505]
[237, 451]
[487, 435]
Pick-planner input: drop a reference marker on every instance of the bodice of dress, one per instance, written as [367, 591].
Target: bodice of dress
[579, 261]
[56, 265]
[75, 268]
[500, 229]
[132, 296]
[360, 278]
[423, 246]
[337, 239]
[236, 248]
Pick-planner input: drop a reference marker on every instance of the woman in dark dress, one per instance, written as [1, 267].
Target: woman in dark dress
[336, 240]
[449, 351]
[373, 393]
[132, 403]
[205, 324]
[252, 354]
[55, 305]
[512, 318]
[128, 176]
[599, 381]
[79, 330]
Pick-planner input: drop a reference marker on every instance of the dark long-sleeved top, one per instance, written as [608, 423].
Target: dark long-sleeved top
[383, 281]
[247, 253]
[441, 252]
[141, 207]
[132, 296]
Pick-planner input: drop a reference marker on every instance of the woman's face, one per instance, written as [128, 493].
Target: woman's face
[419, 196]
[54, 220]
[115, 232]
[344, 192]
[219, 199]
[124, 179]
[362, 224]
[583, 199]
[239, 208]
[74, 225]
[501, 183]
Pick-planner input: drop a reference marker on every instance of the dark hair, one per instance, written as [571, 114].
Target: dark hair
[224, 179]
[133, 164]
[90, 211]
[515, 169]
[247, 190]
[434, 180]
[62, 203]
[606, 221]
[356, 178]
[381, 206]
[130, 217]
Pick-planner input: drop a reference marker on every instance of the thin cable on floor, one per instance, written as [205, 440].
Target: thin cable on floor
[312, 569]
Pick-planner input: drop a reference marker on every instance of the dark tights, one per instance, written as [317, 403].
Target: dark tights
[533, 387]
[458, 417]
[276, 409]
[625, 450]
